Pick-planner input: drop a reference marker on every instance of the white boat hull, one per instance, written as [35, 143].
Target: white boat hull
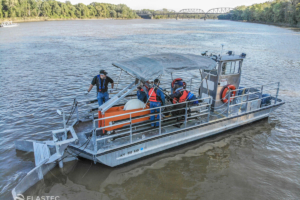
[9, 26]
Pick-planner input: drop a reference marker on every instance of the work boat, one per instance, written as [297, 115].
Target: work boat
[120, 131]
[8, 24]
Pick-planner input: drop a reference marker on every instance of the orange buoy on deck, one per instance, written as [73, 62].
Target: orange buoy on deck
[114, 111]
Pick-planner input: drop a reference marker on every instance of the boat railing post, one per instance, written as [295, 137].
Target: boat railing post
[65, 126]
[130, 129]
[159, 120]
[94, 135]
[119, 79]
[277, 92]
[209, 107]
[228, 103]
[261, 91]
[247, 102]
[76, 109]
[185, 120]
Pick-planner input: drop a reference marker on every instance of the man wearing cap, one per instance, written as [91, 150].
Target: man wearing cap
[101, 81]
[156, 99]
[181, 95]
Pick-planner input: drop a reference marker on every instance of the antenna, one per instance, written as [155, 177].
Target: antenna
[222, 48]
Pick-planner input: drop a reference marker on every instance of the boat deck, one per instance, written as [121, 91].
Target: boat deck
[84, 131]
[94, 139]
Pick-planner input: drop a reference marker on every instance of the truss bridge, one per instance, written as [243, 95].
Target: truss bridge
[189, 11]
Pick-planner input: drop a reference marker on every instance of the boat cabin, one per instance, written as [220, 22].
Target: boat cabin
[227, 72]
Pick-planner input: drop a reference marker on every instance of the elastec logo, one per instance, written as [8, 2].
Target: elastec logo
[21, 197]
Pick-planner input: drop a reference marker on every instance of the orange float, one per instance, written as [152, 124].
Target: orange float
[224, 93]
[114, 111]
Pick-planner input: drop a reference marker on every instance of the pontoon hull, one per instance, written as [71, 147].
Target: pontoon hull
[163, 142]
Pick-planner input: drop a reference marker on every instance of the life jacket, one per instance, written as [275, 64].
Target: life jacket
[192, 97]
[103, 87]
[182, 98]
[175, 81]
[153, 96]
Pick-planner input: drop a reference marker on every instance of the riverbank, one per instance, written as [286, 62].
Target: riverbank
[37, 19]
[267, 23]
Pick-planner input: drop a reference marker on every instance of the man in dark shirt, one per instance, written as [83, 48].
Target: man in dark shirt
[101, 81]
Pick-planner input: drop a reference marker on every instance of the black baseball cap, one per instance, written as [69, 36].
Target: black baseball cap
[102, 71]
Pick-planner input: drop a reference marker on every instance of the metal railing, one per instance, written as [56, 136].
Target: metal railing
[129, 126]
[162, 110]
[259, 92]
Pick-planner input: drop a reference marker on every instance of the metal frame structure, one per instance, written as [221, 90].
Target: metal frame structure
[221, 10]
[192, 10]
[225, 111]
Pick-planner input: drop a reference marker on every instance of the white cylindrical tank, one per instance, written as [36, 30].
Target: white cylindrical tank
[134, 104]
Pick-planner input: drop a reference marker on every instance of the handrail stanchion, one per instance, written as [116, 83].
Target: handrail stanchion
[159, 120]
[130, 129]
[261, 91]
[76, 109]
[228, 103]
[247, 102]
[277, 92]
[94, 135]
[209, 107]
[185, 120]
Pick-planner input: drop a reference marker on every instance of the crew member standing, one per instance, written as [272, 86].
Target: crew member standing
[157, 99]
[101, 81]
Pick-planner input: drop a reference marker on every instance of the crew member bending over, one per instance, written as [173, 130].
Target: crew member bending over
[157, 99]
[181, 95]
[101, 81]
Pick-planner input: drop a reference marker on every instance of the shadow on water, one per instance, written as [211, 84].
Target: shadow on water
[207, 155]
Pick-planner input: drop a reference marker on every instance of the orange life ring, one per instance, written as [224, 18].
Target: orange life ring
[224, 93]
[178, 79]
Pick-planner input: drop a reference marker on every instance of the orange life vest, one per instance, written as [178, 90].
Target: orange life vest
[182, 98]
[178, 79]
[153, 96]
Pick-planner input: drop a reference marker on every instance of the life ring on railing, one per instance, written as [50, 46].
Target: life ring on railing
[224, 93]
[178, 79]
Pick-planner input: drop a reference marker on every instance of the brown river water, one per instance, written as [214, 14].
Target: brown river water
[44, 65]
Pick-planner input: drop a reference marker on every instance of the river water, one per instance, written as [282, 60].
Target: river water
[44, 65]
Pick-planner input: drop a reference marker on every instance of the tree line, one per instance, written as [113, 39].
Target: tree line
[277, 11]
[55, 9]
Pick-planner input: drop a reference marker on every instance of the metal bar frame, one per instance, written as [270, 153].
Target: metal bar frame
[155, 108]
[205, 112]
[130, 120]
[277, 92]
